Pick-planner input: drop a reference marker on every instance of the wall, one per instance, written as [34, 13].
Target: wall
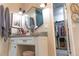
[51, 31]
[13, 6]
[28, 6]
[4, 47]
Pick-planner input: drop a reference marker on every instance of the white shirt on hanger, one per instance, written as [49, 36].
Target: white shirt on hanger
[25, 22]
[20, 20]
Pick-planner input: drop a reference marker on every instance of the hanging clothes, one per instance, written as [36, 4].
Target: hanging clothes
[17, 19]
[32, 24]
[61, 29]
[2, 20]
[22, 21]
[7, 23]
[16, 22]
[25, 22]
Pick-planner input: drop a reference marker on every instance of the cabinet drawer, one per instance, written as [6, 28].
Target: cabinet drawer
[13, 41]
[26, 41]
[12, 51]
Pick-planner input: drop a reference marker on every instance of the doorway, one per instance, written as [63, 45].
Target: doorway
[60, 30]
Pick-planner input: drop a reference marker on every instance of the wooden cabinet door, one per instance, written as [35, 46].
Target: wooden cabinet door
[12, 51]
[41, 46]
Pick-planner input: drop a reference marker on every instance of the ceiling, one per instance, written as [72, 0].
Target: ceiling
[27, 6]
[24, 6]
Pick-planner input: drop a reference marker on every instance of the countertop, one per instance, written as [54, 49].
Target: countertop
[33, 35]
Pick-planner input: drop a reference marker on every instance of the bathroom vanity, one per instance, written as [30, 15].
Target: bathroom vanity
[38, 44]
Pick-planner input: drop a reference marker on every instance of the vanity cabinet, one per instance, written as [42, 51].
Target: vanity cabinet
[39, 45]
[12, 50]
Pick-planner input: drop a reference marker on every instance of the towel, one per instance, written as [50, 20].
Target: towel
[7, 23]
[2, 20]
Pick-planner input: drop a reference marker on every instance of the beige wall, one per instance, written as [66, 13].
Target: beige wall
[13, 6]
[30, 5]
[51, 31]
[3, 47]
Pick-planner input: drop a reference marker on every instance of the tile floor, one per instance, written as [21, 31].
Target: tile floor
[60, 52]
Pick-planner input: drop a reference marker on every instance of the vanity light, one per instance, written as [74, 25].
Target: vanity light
[43, 5]
[20, 11]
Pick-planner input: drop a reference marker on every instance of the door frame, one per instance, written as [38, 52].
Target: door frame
[69, 33]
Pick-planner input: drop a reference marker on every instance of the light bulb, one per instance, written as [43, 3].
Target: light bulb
[42, 5]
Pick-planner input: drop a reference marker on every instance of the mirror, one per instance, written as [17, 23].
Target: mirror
[39, 17]
[34, 19]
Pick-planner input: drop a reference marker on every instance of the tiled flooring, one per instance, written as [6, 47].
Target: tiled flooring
[60, 52]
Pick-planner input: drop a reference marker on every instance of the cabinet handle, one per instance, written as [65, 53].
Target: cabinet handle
[24, 40]
[14, 46]
[12, 40]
